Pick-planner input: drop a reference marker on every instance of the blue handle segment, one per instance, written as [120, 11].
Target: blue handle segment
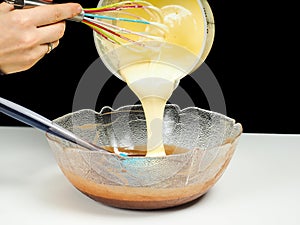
[31, 118]
[115, 18]
[37, 121]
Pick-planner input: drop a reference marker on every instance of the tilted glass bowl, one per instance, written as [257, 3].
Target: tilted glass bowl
[202, 143]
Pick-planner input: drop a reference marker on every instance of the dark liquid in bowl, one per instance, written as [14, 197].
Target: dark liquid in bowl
[141, 150]
[148, 197]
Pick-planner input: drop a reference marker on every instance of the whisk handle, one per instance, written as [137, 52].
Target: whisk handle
[20, 4]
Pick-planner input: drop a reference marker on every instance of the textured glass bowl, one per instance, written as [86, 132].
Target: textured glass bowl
[138, 182]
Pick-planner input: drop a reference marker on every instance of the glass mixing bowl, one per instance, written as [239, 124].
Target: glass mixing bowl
[200, 145]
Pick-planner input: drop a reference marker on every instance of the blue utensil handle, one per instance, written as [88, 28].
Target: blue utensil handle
[21, 114]
[37, 121]
[24, 116]
[28, 120]
[32, 119]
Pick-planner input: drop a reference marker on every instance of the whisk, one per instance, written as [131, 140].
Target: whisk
[98, 19]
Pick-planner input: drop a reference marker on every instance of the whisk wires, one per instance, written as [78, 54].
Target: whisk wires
[94, 18]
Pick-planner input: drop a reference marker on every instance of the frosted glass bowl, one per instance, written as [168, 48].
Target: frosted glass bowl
[203, 145]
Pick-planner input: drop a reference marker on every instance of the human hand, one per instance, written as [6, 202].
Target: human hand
[26, 33]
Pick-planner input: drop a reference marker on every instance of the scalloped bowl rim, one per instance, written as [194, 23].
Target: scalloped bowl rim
[127, 108]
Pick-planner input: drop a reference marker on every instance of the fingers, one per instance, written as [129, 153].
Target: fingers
[25, 33]
[5, 7]
[49, 47]
[38, 53]
[49, 14]
[27, 59]
[43, 24]
[51, 33]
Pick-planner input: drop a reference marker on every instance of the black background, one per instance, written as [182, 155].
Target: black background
[254, 59]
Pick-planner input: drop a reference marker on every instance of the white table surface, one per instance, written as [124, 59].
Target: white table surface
[260, 186]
